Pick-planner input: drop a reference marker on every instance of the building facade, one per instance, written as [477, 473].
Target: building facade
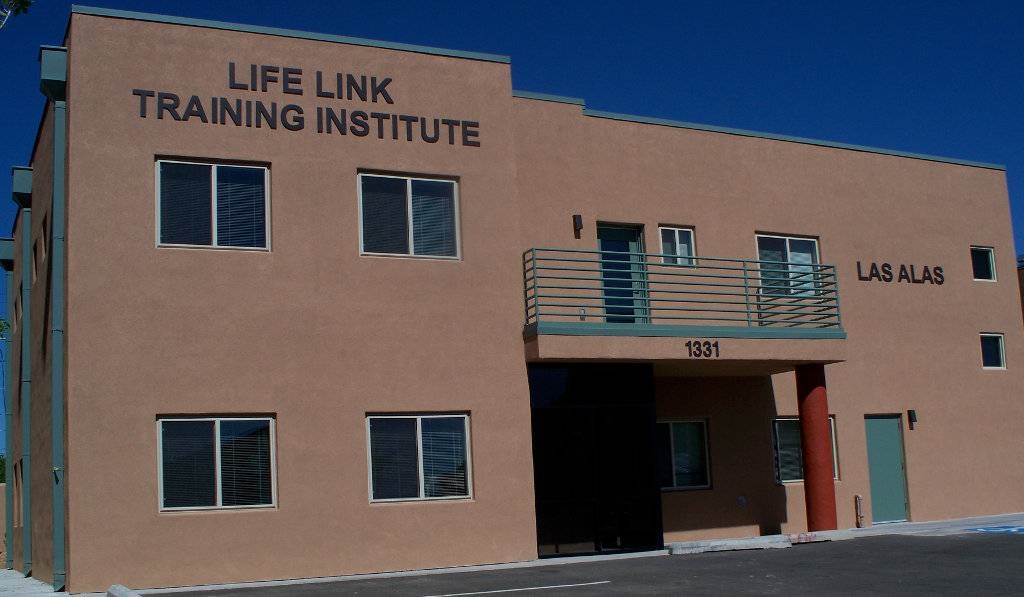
[293, 305]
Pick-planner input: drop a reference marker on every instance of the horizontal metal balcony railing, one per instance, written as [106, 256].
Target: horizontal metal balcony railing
[582, 292]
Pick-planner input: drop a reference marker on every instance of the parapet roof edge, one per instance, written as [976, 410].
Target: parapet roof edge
[547, 97]
[789, 138]
[356, 41]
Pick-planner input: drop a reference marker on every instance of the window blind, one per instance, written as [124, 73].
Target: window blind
[189, 464]
[394, 455]
[385, 215]
[185, 213]
[241, 207]
[433, 217]
[245, 463]
[444, 456]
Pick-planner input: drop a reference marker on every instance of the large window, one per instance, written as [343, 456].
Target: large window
[787, 265]
[677, 246]
[212, 205]
[789, 459]
[983, 263]
[408, 216]
[216, 462]
[683, 455]
[993, 355]
[419, 457]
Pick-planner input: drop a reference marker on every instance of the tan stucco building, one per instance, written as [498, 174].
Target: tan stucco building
[293, 305]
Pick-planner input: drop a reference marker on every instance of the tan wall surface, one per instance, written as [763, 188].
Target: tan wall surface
[319, 336]
[909, 346]
[309, 331]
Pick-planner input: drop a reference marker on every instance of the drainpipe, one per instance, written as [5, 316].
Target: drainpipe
[53, 83]
[7, 262]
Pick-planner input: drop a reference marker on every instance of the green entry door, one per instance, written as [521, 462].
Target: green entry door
[886, 468]
[623, 275]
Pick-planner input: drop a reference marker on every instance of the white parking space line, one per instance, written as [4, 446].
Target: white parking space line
[583, 584]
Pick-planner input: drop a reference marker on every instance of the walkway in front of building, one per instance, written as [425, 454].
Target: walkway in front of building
[13, 583]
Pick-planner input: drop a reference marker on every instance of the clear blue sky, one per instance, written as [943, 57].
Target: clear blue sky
[940, 77]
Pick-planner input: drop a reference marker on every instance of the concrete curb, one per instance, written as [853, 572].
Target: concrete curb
[768, 542]
[121, 591]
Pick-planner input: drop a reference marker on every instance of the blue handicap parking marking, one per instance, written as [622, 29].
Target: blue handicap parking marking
[1000, 529]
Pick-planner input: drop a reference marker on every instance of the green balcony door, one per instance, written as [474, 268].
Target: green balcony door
[886, 468]
[623, 275]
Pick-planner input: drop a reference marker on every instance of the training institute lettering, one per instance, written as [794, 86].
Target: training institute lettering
[886, 272]
[330, 119]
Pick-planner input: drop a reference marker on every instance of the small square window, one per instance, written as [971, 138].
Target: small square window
[212, 205]
[993, 354]
[216, 463]
[677, 246]
[983, 262]
[408, 216]
[683, 455]
[789, 458]
[419, 457]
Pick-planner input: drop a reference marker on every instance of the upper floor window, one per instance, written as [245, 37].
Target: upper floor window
[983, 261]
[408, 216]
[993, 352]
[787, 264]
[216, 462]
[677, 246]
[212, 205]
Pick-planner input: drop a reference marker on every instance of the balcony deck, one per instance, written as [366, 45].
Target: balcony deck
[570, 292]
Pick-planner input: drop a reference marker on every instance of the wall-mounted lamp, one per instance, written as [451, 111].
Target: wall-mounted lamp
[577, 225]
[912, 418]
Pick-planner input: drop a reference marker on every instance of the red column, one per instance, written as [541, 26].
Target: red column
[816, 436]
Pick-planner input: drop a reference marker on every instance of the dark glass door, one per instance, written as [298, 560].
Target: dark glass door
[595, 462]
[623, 275]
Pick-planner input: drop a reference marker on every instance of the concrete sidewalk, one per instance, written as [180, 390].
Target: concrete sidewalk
[938, 528]
[13, 582]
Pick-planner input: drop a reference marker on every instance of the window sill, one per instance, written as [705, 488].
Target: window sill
[462, 498]
[984, 280]
[406, 256]
[214, 248]
[218, 508]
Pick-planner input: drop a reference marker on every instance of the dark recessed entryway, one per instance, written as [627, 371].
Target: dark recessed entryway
[595, 464]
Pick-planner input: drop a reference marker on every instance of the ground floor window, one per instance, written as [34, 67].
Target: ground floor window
[789, 460]
[216, 462]
[419, 457]
[683, 455]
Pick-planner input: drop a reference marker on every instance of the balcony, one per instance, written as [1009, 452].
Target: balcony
[606, 293]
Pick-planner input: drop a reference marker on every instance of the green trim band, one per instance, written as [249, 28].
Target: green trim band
[546, 97]
[340, 39]
[788, 138]
[572, 328]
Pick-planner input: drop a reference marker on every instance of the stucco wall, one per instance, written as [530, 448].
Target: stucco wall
[309, 331]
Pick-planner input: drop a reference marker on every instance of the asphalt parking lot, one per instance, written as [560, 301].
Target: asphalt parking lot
[966, 564]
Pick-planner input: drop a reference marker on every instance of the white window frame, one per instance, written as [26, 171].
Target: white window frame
[672, 454]
[775, 445]
[419, 458]
[217, 457]
[815, 286]
[991, 263]
[1002, 350]
[408, 212]
[681, 260]
[213, 204]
